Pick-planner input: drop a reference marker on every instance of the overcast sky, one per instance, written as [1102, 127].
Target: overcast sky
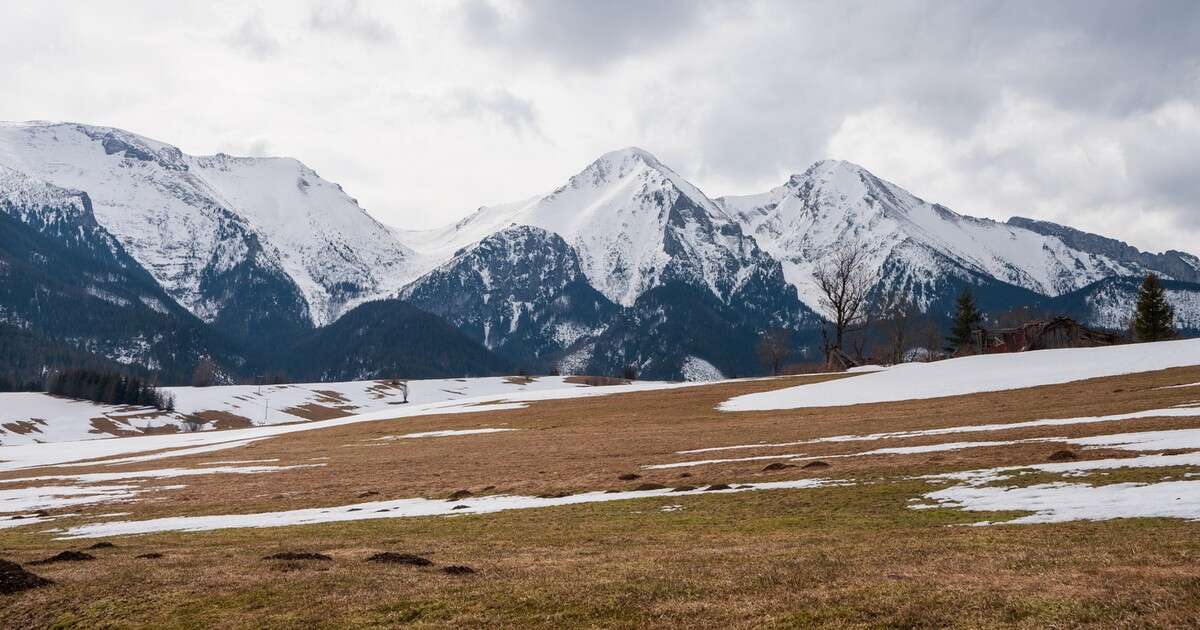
[1087, 113]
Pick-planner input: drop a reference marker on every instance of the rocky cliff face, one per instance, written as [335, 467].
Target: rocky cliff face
[1171, 264]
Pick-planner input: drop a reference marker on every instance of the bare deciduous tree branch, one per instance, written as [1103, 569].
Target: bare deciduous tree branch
[844, 282]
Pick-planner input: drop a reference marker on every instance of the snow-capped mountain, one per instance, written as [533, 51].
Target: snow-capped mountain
[224, 236]
[520, 291]
[635, 225]
[67, 287]
[912, 245]
[649, 242]
[625, 266]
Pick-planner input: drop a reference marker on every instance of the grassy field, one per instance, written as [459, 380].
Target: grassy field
[848, 554]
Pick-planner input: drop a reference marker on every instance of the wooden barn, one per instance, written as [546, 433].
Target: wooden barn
[1059, 332]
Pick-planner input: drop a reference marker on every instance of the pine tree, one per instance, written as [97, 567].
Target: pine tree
[966, 319]
[1154, 319]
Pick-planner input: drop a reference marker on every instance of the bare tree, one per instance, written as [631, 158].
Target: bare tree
[773, 347]
[844, 282]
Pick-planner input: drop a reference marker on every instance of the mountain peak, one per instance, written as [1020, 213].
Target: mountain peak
[630, 152]
[620, 163]
[830, 170]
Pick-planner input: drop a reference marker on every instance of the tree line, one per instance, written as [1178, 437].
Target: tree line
[108, 387]
[865, 326]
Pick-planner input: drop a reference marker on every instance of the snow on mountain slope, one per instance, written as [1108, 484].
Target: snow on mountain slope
[909, 242]
[70, 292]
[192, 220]
[36, 202]
[1172, 264]
[634, 222]
[1109, 303]
[519, 291]
[337, 253]
[46, 207]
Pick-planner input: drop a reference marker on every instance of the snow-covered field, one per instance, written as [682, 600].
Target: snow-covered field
[971, 375]
[470, 396]
[28, 418]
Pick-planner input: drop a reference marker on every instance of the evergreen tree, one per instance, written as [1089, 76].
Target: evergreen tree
[966, 319]
[1154, 319]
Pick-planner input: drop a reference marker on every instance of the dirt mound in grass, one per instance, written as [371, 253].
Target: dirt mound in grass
[458, 494]
[817, 465]
[101, 545]
[649, 486]
[297, 555]
[14, 578]
[1063, 456]
[389, 557]
[629, 476]
[153, 555]
[458, 569]
[777, 466]
[66, 556]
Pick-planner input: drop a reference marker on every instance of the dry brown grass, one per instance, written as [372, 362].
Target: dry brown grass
[835, 556]
[314, 411]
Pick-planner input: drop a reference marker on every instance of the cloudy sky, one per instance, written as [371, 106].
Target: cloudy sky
[1086, 113]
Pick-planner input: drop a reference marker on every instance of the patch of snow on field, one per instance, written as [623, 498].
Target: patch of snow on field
[20, 500]
[1144, 441]
[970, 375]
[1076, 469]
[161, 473]
[402, 508]
[1062, 502]
[895, 450]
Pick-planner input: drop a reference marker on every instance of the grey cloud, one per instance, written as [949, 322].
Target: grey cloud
[511, 110]
[349, 20]
[514, 112]
[581, 33]
[770, 103]
[253, 37]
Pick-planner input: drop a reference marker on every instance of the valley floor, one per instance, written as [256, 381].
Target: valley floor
[1070, 504]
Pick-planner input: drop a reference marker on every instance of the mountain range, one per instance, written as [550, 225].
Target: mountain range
[131, 252]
